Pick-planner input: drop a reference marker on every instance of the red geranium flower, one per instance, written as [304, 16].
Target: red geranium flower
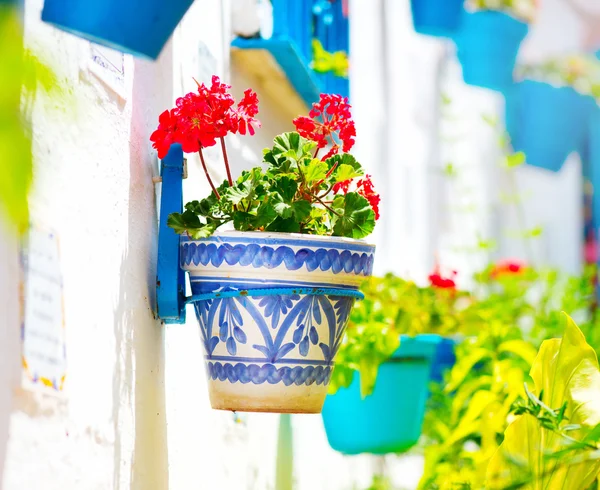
[364, 187]
[507, 267]
[165, 133]
[329, 122]
[200, 118]
[437, 280]
[247, 109]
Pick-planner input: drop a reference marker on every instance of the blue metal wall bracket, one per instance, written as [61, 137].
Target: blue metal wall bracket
[170, 277]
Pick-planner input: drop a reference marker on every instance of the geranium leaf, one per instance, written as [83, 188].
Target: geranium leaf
[357, 219]
[315, 170]
[346, 172]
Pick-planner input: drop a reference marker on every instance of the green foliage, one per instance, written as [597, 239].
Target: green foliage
[551, 448]
[511, 313]
[20, 74]
[392, 307]
[326, 62]
[293, 194]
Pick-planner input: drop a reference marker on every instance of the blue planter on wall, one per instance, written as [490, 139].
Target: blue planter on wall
[547, 123]
[139, 27]
[487, 46]
[390, 419]
[439, 18]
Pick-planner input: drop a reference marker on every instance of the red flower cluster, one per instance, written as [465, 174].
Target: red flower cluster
[505, 267]
[337, 125]
[437, 280]
[365, 188]
[199, 119]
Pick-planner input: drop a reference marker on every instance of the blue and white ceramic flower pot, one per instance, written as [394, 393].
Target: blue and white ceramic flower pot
[269, 340]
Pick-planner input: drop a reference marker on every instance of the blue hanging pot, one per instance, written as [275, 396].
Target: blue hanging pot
[390, 419]
[487, 46]
[139, 27]
[547, 123]
[439, 18]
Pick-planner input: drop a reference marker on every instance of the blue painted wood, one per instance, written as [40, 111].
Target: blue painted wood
[170, 277]
[290, 59]
[138, 27]
[295, 24]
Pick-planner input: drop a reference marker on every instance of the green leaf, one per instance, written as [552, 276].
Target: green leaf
[282, 225]
[299, 210]
[521, 348]
[286, 187]
[344, 159]
[346, 172]
[189, 223]
[357, 219]
[515, 160]
[316, 170]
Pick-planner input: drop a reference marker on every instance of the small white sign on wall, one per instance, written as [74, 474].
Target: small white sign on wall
[108, 66]
[43, 333]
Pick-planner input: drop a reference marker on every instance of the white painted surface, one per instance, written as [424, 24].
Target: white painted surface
[129, 379]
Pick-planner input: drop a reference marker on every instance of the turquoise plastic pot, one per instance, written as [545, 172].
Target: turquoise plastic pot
[390, 419]
[438, 18]
[547, 123]
[487, 46]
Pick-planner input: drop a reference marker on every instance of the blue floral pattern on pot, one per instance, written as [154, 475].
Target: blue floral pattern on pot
[273, 352]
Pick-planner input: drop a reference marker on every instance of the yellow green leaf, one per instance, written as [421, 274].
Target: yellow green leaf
[565, 370]
[520, 348]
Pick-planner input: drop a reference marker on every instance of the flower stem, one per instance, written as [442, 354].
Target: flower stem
[316, 152]
[229, 179]
[214, 189]
[326, 206]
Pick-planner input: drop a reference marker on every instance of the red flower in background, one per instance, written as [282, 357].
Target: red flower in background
[364, 187]
[437, 280]
[334, 124]
[199, 119]
[507, 267]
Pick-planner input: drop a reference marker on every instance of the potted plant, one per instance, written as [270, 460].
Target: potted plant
[489, 39]
[549, 110]
[384, 364]
[273, 294]
[438, 18]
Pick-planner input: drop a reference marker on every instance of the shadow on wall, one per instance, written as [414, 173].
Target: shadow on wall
[139, 381]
